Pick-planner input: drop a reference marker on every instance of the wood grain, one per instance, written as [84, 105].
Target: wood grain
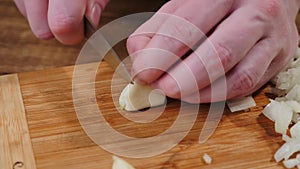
[15, 143]
[242, 140]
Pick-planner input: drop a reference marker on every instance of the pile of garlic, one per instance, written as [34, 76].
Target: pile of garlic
[285, 112]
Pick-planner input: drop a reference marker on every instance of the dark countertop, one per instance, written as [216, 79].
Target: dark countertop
[21, 51]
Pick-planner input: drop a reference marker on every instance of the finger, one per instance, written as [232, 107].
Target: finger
[37, 18]
[244, 77]
[288, 49]
[21, 6]
[66, 20]
[277, 65]
[179, 33]
[94, 9]
[227, 45]
[141, 37]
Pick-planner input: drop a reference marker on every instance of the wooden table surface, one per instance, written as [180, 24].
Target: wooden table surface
[54, 138]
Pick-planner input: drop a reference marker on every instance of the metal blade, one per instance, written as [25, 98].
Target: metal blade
[113, 58]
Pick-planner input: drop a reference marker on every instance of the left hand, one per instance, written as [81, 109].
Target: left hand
[62, 19]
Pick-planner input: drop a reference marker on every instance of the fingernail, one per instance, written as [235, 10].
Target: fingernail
[95, 14]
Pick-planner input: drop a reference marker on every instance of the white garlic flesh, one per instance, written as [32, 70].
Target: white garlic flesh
[136, 97]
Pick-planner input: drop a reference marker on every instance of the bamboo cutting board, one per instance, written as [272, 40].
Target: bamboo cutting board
[54, 138]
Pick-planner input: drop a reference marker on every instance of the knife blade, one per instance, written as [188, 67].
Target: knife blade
[113, 59]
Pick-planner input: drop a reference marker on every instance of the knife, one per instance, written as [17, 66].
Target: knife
[113, 59]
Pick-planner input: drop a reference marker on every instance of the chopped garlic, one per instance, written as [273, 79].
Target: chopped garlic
[241, 104]
[296, 118]
[280, 113]
[207, 159]
[120, 163]
[287, 79]
[285, 107]
[287, 149]
[270, 111]
[291, 163]
[294, 93]
[295, 130]
[294, 105]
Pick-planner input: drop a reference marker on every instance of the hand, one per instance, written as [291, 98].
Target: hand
[62, 19]
[252, 40]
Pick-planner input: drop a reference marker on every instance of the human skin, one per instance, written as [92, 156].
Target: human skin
[252, 40]
[62, 19]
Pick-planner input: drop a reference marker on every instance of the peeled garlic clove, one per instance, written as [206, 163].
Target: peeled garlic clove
[135, 97]
[120, 163]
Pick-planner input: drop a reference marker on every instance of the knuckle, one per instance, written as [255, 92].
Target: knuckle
[146, 76]
[224, 54]
[187, 30]
[167, 42]
[244, 82]
[179, 30]
[62, 23]
[270, 8]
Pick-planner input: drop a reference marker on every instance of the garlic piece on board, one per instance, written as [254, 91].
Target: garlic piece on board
[135, 97]
[120, 164]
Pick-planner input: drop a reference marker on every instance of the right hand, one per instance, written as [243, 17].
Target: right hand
[249, 41]
[62, 19]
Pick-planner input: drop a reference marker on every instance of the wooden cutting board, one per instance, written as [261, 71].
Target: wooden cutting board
[39, 129]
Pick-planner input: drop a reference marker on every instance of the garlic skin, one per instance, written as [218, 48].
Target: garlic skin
[136, 97]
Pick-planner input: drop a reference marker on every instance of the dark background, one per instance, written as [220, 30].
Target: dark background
[20, 51]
